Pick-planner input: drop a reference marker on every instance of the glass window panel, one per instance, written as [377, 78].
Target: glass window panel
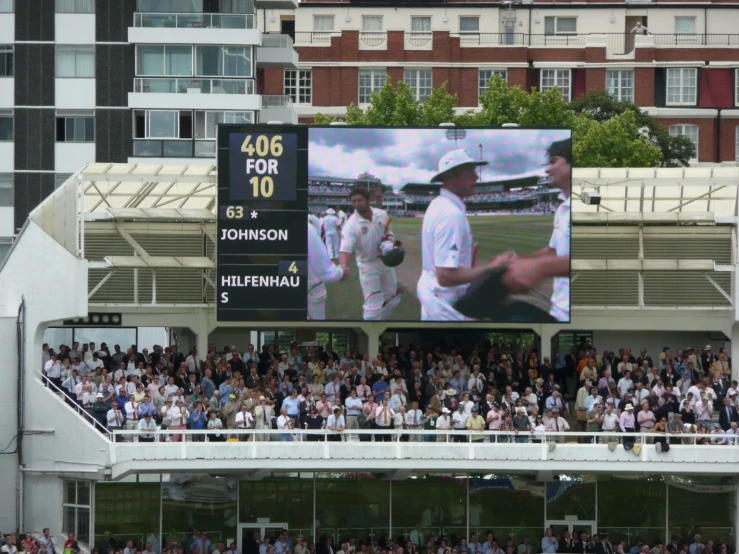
[6, 190]
[116, 526]
[469, 24]
[65, 64]
[69, 521]
[685, 25]
[75, 6]
[323, 22]
[178, 60]
[237, 6]
[421, 24]
[701, 505]
[507, 505]
[85, 65]
[281, 499]
[646, 498]
[566, 24]
[549, 25]
[162, 124]
[83, 524]
[70, 490]
[170, 6]
[353, 504]
[571, 495]
[214, 511]
[89, 129]
[298, 85]
[6, 6]
[149, 60]
[6, 127]
[372, 23]
[444, 505]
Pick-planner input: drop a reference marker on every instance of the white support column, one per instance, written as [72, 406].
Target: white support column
[546, 332]
[373, 332]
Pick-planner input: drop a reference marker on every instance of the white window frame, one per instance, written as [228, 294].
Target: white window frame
[7, 51]
[424, 17]
[482, 83]
[74, 50]
[475, 17]
[77, 506]
[74, 6]
[147, 125]
[617, 93]
[300, 89]
[378, 78]
[557, 19]
[224, 61]
[206, 115]
[686, 18]
[683, 72]
[68, 115]
[679, 131]
[556, 74]
[6, 190]
[366, 18]
[317, 17]
[415, 86]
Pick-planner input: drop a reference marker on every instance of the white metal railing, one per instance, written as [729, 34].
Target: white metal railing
[419, 38]
[73, 405]
[194, 20]
[176, 85]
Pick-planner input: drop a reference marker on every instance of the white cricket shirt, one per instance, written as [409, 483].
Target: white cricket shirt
[331, 225]
[446, 242]
[560, 242]
[363, 237]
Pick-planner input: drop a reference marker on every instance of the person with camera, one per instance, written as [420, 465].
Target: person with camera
[116, 419]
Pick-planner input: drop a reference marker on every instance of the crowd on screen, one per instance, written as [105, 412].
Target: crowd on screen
[495, 393]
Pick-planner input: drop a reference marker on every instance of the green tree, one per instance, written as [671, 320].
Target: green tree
[600, 106]
[615, 142]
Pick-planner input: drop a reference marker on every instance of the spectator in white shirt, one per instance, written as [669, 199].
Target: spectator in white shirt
[244, 420]
[285, 423]
[115, 421]
[146, 428]
[336, 424]
[444, 423]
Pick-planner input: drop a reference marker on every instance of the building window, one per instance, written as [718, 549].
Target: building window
[163, 60]
[736, 85]
[76, 508]
[6, 125]
[298, 86]
[237, 6]
[323, 22]
[681, 86]
[75, 6]
[162, 124]
[420, 81]
[75, 61]
[469, 24]
[6, 190]
[736, 145]
[420, 24]
[372, 23]
[223, 61]
[170, 6]
[485, 76]
[690, 131]
[6, 6]
[60, 179]
[620, 85]
[685, 25]
[560, 25]
[6, 60]
[205, 122]
[370, 80]
[559, 78]
[75, 127]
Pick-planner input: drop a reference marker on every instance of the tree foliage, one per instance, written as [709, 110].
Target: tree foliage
[606, 133]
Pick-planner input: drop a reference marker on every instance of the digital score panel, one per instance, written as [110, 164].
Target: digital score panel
[262, 223]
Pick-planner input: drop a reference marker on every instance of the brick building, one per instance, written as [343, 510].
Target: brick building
[684, 71]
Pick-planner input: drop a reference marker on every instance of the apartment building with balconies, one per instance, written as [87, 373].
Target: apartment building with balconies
[127, 80]
[684, 71]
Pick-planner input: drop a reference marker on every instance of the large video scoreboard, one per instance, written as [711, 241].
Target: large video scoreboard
[262, 215]
[307, 215]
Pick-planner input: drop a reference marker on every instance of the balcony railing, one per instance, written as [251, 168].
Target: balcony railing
[175, 85]
[419, 38]
[195, 20]
[558, 40]
[174, 148]
[277, 101]
[696, 39]
[372, 39]
[493, 39]
[315, 37]
[276, 40]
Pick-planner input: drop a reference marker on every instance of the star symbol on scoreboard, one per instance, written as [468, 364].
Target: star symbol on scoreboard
[254, 214]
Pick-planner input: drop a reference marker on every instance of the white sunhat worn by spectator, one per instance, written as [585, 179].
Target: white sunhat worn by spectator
[454, 159]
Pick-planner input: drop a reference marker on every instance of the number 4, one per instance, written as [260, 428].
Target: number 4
[293, 268]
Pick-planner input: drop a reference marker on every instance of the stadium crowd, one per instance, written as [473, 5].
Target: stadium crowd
[504, 395]
[342, 189]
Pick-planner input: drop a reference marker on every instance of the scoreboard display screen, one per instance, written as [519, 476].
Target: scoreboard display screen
[393, 224]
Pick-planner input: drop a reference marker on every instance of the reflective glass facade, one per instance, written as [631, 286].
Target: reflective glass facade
[369, 507]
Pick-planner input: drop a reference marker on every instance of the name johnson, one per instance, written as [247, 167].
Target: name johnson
[253, 234]
[259, 281]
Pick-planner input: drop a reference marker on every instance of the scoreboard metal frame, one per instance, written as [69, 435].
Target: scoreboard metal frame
[262, 214]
